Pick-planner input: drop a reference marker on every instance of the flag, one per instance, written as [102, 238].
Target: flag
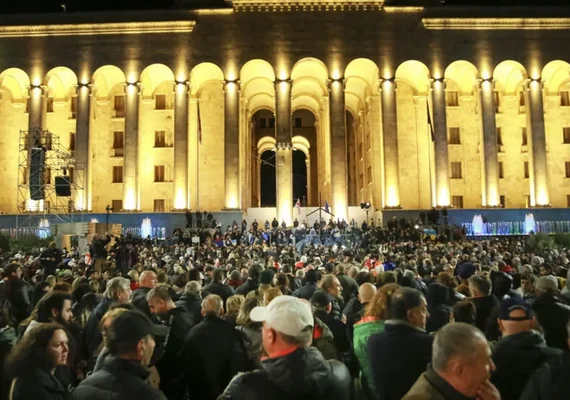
[298, 206]
[327, 209]
[430, 125]
[199, 122]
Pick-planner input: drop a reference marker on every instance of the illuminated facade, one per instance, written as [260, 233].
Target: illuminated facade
[174, 110]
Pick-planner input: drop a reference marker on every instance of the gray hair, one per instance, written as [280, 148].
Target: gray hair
[455, 339]
[116, 286]
[193, 287]
[302, 340]
[300, 273]
[409, 274]
[160, 293]
[212, 305]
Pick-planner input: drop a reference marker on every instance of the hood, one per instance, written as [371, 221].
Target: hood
[437, 293]
[521, 342]
[485, 304]
[31, 326]
[301, 374]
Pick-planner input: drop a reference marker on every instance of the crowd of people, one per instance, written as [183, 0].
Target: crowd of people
[390, 314]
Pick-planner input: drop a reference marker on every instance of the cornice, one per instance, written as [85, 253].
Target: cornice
[496, 23]
[307, 5]
[94, 29]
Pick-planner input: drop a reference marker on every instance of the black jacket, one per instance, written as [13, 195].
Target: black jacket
[247, 287]
[398, 356]
[138, 300]
[92, 334]
[18, 292]
[39, 384]
[349, 287]
[516, 357]
[437, 296]
[486, 319]
[301, 375]
[98, 249]
[552, 315]
[193, 304]
[307, 291]
[118, 379]
[550, 381]
[214, 353]
[224, 291]
[338, 329]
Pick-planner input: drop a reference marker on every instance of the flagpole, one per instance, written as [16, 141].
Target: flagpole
[430, 144]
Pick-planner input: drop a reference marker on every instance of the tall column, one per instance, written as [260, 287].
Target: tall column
[490, 150]
[231, 144]
[390, 136]
[36, 108]
[284, 151]
[440, 145]
[83, 200]
[181, 146]
[338, 149]
[535, 122]
[131, 199]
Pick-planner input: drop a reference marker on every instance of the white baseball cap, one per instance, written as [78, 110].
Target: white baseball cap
[286, 314]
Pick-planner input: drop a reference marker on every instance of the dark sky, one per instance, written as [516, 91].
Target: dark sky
[46, 6]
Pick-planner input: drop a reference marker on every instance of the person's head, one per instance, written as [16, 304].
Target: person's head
[479, 286]
[107, 319]
[545, 270]
[147, 279]
[212, 306]
[133, 275]
[409, 305]
[287, 323]
[281, 279]
[311, 276]
[546, 285]
[14, 270]
[331, 285]
[527, 282]
[118, 289]
[218, 275]
[62, 287]
[249, 304]
[271, 294]
[462, 357]
[193, 288]
[159, 301]
[45, 347]
[130, 336]
[366, 292]
[464, 311]
[55, 307]
[515, 316]
[379, 306]
[321, 302]
[233, 304]
[235, 276]
[254, 271]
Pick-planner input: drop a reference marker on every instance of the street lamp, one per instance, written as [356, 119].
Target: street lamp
[365, 206]
[109, 209]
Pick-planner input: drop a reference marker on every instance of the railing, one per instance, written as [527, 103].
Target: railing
[505, 228]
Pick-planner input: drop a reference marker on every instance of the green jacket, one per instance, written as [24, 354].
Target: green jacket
[363, 329]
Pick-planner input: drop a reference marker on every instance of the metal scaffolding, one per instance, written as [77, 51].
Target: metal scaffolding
[58, 161]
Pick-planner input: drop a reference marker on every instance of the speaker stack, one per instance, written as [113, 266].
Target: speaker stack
[36, 178]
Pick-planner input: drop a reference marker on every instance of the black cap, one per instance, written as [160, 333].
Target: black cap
[266, 277]
[132, 326]
[320, 299]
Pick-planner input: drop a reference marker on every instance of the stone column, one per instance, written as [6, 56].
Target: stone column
[390, 142]
[538, 160]
[180, 195]
[284, 152]
[130, 166]
[490, 150]
[36, 108]
[338, 149]
[82, 173]
[442, 192]
[231, 144]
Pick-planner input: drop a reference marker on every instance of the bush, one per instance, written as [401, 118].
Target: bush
[4, 244]
[28, 242]
[540, 242]
[562, 240]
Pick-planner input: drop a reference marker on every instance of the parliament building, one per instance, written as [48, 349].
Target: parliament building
[261, 103]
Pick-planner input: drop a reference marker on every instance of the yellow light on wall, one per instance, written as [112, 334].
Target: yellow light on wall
[130, 202]
[542, 197]
[180, 200]
[443, 197]
[340, 210]
[392, 199]
[232, 202]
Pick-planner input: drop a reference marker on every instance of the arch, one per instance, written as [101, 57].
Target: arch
[266, 143]
[204, 73]
[363, 71]
[463, 74]
[312, 67]
[257, 79]
[301, 143]
[154, 75]
[261, 101]
[305, 102]
[555, 74]
[416, 74]
[16, 82]
[353, 103]
[256, 68]
[509, 75]
[310, 77]
[106, 78]
[258, 86]
[61, 82]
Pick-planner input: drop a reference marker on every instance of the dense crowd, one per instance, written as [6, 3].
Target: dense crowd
[329, 311]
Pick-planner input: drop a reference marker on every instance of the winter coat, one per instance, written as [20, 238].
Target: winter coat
[338, 329]
[92, 337]
[307, 291]
[486, 319]
[224, 291]
[516, 357]
[437, 296]
[349, 287]
[193, 304]
[394, 367]
[323, 340]
[553, 316]
[363, 330]
[431, 386]
[18, 294]
[247, 287]
[302, 375]
[138, 300]
[38, 384]
[118, 379]
[252, 340]
[550, 381]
